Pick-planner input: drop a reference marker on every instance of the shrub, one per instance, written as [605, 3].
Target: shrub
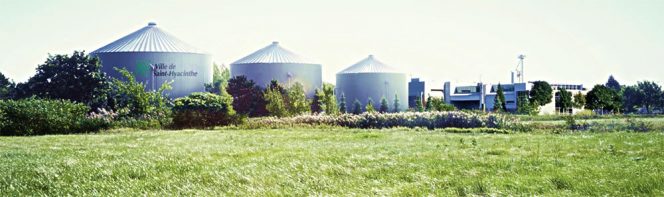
[130, 100]
[638, 125]
[203, 110]
[38, 117]
[430, 120]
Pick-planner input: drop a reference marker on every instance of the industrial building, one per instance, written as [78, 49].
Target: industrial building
[373, 79]
[274, 62]
[156, 57]
[481, 96]
[416, 90]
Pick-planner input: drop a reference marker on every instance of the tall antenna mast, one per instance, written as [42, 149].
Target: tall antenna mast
[519, 69]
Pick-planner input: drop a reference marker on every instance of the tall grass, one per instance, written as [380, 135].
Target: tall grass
[333, 161]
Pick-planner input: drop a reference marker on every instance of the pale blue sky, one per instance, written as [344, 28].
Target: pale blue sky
[572, 41]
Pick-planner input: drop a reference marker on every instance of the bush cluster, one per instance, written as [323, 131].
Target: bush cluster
[430, 120]
[204, 110]
[38, 117]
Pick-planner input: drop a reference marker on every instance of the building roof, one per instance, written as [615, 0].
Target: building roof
[273, 53]
[148, 39]
[369, 65]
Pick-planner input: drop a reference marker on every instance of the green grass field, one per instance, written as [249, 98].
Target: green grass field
[402, 162]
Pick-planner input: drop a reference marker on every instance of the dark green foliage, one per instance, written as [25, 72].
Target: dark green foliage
[631, 97]
[342, 104]
[540, 94]
[357, 107]
[613, 84]
[524, 106]
[220, 77]
[439, 105]
[297, 102]
[499, 104]
[39, 117]
[429, 105]
[247, 97]
[396, 103]
[7, 87]
[564, 100]
[418, 104]
[370, 106]
[130, 99]
[76, 78]
[275, 102]
[383, 106]
[203, 110]
[329, 100]
[579, 100]
[603, 99]
[651, 94]
[317, 102]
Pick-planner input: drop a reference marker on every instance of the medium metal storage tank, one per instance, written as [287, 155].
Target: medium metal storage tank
[373, 79]
[155, 57]
[275, 62]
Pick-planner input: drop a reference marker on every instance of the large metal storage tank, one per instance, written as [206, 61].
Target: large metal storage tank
[373, 79]
[155, 57]
[275, 62]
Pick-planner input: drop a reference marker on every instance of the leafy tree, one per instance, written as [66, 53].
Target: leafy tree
[247, 97]
[220, 77]
[76, 78]
[579, 100]
[7, 87]
[329, 100]
[370, 106]
[317, 102]
[396, 103]
[297, 100]
[357, 107]
[564, 100]
[499, 101]
[603, 98]
[130, 99]
[429, 105]
[342, 103]
[418, 104]
[275, 102]
[613, 84]
[540, 94]
[383, 105]
[651, 94]
[632, 99]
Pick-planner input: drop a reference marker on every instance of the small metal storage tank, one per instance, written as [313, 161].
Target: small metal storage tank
[275, 62]
[373, 79]
[154, 57]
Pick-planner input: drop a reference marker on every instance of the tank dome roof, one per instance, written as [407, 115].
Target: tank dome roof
[148, 39]
[369, 65]
[273, 53]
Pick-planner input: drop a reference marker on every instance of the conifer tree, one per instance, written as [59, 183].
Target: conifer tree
[396, 103]
[357, 107]
[383, 105]
[418, 104]
[342, 103]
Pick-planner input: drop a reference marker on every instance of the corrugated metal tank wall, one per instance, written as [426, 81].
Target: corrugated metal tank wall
[154, 57]
[189, 72]
[309, 75]
[371, 78]
[276, 62]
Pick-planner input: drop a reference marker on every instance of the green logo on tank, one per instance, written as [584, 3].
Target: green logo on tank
[142, 68]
